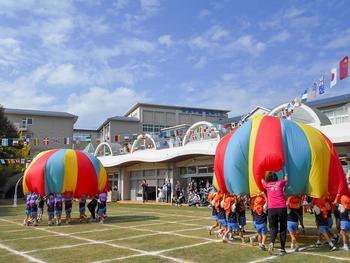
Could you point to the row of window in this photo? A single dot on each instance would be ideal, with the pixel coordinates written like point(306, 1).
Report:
point(338, 115)
point(151, 129)
point(195, 170)
point(25, 122)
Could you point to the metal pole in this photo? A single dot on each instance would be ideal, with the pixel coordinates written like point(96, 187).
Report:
point(15, 195)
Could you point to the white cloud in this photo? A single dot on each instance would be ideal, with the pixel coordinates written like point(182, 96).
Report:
point(150, 6)
point(65, 74)
point(217, 32)
point(23, 92)
point(127, 46)
point(293, 12)
point(199, 42)
point(165, 40)
point(133, 45)
point(121, 4)
point(10, 51)
point(247, 44)
point(280, 37)
point(340, 40)
point(97, 104)
point(201, 63)
point(56, 31)
point(204, 13)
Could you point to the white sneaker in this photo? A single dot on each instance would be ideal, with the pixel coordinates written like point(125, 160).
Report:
point(271, 249)
point(345, 247)
point(209, 230)
point(251, 240)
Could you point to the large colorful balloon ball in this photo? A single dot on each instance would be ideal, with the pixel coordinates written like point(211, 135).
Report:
point(65, 171)
point(266, 143)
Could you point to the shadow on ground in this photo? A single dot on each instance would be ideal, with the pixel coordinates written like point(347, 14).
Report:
point(133, 218)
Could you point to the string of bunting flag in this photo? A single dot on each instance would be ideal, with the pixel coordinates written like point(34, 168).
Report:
point(318, 88)
point(15, 161)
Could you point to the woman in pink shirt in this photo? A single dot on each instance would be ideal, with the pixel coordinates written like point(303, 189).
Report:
point(277, 209)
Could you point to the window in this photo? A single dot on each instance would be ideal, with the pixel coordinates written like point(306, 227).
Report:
point(202, 170)
point(29, 121)
point(28, 136)
point(23, 123)
point(191, 170)
point(338, 115)
point(148, 128)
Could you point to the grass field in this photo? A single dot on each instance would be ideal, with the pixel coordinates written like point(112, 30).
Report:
point(139, 233)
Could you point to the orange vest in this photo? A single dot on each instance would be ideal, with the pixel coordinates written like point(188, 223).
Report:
point(211, 196)
point(258, 205)
point(294, 202)
point(345, 201)
point(228, 202)
point(217, 199)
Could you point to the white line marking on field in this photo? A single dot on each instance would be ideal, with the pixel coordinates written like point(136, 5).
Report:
point(17, 253)
point(15, 230)
point(27, 238)
point(54, 248)
point(332, 257)
point(263, 259)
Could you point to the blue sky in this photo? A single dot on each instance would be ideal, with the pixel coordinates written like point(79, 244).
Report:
point(96, 59)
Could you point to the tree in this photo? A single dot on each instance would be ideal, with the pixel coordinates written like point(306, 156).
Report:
point(7, 130)
point(20, 151)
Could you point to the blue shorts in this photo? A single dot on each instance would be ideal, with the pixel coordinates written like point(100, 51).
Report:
point(28, 212)
point(40, 209)
point(323, 229)
point(101, 211)
point(51, 212)
point(260, 228)
point(223, 222)
point(82, 209)
point(214, 217)
point(292, 226)
point(34, 213)
point(345, 225)
point(68, 210)
point(330, 222)
point(58, 212)
point(233, 227)
point(242, 221)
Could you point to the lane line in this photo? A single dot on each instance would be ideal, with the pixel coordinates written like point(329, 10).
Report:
point(21, 254)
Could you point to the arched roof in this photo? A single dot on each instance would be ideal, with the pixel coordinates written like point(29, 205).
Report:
point(113, 147)
point(198, 124)
point(143, 136)
point(304, 114)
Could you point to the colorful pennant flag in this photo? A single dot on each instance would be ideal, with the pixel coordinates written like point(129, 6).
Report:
point(45, 141)
point(304, 97)
point(343, 68)
point(333, 77)
point(313, 92)
point(5, 142)
point(36, 141)
point(321, 86)
point(66, 140)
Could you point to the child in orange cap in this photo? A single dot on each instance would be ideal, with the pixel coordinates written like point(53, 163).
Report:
point(230, 206)
point(293, 208)
point(343, 203)
point(214, 212)
point(259, 213)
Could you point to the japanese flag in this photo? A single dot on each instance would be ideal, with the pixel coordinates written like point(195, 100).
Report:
point(333, 77)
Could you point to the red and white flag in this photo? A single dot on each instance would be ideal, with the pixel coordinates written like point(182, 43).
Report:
point(333, 77)
point(46, 141)
point(343, 68)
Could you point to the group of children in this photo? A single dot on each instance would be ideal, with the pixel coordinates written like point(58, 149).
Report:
point(35, 208)
point(228, 212)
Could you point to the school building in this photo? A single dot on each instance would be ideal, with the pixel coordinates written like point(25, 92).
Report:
point(188, 153)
